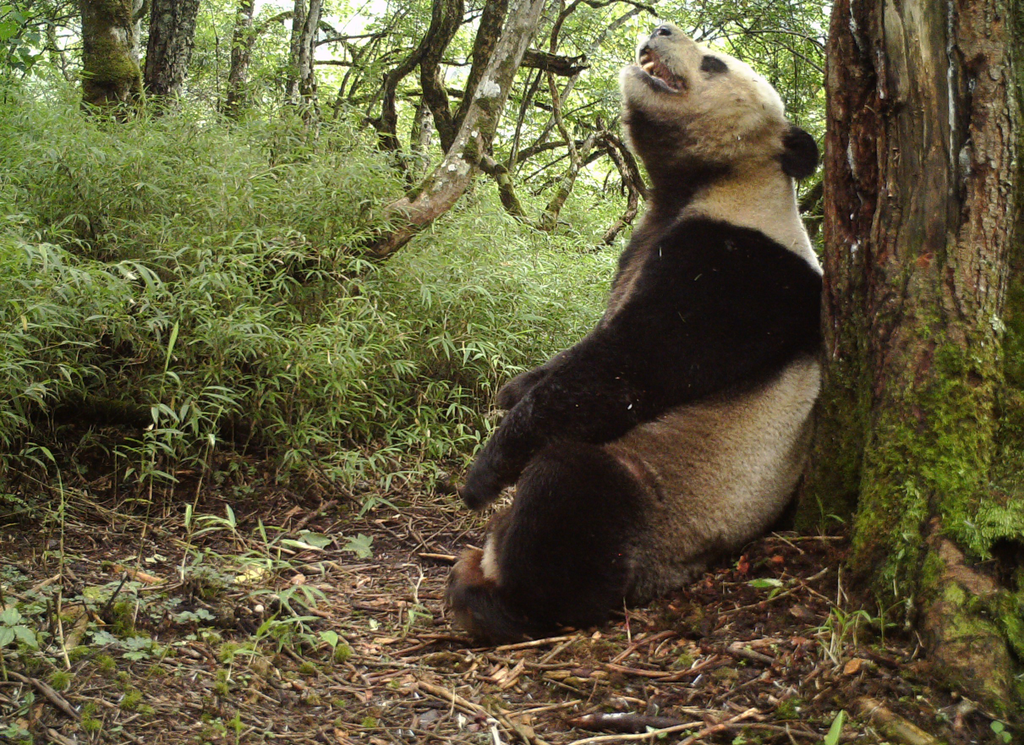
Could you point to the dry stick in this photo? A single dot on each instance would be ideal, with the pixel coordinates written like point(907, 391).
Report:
point(58, 738)
point(736, 649)
point(324, 506)
point(55, 698)
point(623, 722)
point(644, 642)
point(469, 707)
point(662, 676)
point(535, 643)
point(892, 725)
point(721, 726)
point(446, 558)
point(669, 730)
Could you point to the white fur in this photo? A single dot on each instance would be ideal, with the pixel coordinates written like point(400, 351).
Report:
point(764, 201)
point(489, 561)
point(723, 471)
point(734, 118)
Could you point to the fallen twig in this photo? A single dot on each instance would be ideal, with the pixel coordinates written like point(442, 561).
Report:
point(524, 733)
point(623, 722)
point(736, 649)
point(655, 733)
point(444, 558)
point(535, 643)
point(727, 724)
point(892, 725)
point(52, 696)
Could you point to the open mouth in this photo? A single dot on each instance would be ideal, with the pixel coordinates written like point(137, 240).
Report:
point(650, 63)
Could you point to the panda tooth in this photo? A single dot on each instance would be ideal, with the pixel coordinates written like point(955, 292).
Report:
point(648, 67)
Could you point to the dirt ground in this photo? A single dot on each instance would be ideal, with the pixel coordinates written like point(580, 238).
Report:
point(323, 626)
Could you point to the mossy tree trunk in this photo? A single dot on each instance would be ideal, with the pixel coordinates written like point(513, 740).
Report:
point(924, 129)
point(111, 75)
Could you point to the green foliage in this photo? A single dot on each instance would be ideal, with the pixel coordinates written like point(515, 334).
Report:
point(13, 628)
point(1001, 732)
point(169, 284)
point(19, 37)
point(836, 730)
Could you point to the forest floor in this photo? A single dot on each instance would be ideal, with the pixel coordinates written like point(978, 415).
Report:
point(291, 618)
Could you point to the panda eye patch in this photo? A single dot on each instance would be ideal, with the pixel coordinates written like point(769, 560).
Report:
point(712, 64)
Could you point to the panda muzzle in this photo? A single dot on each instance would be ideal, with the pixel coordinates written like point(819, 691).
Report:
point(658, 72)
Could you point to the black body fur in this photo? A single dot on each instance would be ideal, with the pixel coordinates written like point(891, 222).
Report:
point(563, 548)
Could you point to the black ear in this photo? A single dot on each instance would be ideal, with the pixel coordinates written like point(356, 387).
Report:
point(800, 153)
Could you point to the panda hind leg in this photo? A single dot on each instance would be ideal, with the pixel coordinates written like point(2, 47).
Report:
point(559, 556)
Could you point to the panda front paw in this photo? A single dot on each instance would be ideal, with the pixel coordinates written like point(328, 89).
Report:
point(483, 485)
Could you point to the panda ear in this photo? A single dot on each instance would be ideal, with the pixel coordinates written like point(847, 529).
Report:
point(800, 153)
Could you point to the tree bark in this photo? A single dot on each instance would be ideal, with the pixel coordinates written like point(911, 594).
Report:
point(445, 18)
point(300, 86)
point(241, 55)
point(110, 53)
point(632, 182)
point(445, 22)
point(441, 189)
point(172, 30)
point(923, 133)
point(487, 34)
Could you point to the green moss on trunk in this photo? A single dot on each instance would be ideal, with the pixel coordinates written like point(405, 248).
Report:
point(928, 453)
point(111, 75)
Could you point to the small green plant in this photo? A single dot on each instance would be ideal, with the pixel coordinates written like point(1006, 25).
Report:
point(13, 628)
point(1001, 732)
point(832, 738)
point(106, 664)
point(788, 708)
point(340, 650)
point(841, 629)
point(60, 680)
point(131, 699)
point(360, 546)
point(89, 721)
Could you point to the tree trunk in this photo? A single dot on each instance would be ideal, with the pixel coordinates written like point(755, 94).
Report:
point(300, 86)
point(445, 22)
point(445, 19)
point(923, 130)
point(487, 34)
point(172, 30)
point(241, 56)
point(441, 189)
point(110, 53)
point(632, 182)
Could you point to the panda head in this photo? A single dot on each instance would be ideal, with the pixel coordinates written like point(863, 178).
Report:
point(691, 113)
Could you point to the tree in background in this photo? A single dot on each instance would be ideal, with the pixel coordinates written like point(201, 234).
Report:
point(172, 29)
point(111, 75)
point(300, 87)
point(441, 189)
point(920, 438)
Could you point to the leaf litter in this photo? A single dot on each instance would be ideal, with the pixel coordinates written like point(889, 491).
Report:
point(329, 628)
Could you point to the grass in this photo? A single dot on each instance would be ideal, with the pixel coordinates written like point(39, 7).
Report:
point(175, 289)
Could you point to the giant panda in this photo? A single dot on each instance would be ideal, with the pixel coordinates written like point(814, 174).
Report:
point(677, 429)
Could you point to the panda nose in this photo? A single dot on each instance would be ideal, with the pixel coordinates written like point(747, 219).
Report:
point(661, 31)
